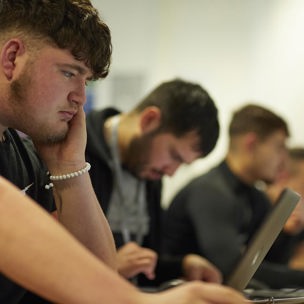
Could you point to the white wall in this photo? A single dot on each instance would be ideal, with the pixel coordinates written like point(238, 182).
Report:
point(239, 50)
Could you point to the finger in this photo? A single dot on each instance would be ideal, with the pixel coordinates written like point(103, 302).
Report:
point(147, 270)
point(213, 275)
point(77, 127)
point(142, 254)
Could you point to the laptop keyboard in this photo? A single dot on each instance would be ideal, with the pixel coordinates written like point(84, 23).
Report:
point(285, 295)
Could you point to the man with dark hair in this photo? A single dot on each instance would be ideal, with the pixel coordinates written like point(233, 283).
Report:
point(48, 51)
point(47, 55)
point(217, 213)
point(292, 237)
point(130, 152)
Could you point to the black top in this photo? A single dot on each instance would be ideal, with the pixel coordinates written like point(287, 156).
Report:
point(215, 213)
point(97, 153)
point(215, 216)
point(20, 165)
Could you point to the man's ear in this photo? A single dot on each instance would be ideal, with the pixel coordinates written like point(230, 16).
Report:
point(150, 119)
point(251, 139)
point(9, 53)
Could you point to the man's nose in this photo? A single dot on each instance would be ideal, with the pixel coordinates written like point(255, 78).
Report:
point(78, 95)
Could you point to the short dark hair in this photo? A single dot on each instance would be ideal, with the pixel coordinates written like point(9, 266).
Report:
point(296, 153)
point(257, 119)
point(74, 25)
point(185, 107)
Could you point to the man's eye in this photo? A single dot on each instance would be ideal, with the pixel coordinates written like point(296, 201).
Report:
point(67, 74)
point(176, 157)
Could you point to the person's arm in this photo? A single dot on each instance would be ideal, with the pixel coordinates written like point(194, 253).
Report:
point(77, 206)
point(42, 256)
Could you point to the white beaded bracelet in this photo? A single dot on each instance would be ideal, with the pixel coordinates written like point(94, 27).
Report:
point(68, 175)
point(71, 175)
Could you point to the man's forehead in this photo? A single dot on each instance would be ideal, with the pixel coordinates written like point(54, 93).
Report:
point(65, 57)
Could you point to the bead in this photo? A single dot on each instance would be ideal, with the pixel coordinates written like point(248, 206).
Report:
point(69, 175)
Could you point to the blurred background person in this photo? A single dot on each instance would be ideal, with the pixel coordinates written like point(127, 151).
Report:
point(217, 213)
point(130, 152)
point(292, 237)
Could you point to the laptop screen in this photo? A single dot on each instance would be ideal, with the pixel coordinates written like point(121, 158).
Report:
point(263, 240)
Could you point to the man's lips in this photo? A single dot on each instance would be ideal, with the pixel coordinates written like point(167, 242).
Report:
point(67, 115)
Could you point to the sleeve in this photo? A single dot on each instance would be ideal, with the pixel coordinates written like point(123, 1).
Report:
point(214, 219)
point(38, 192)
point(203, 220)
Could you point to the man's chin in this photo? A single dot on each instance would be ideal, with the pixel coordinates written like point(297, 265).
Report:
point(146, 173)
point(151, 176)
point(53, 138)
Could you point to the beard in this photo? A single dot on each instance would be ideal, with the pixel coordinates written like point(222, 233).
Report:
point(22, 117)
point(138, 154)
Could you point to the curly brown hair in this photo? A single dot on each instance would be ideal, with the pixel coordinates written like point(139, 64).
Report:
point(74, 25)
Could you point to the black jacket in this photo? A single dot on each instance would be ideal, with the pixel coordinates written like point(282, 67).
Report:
point(216, 215)
point(20, 164)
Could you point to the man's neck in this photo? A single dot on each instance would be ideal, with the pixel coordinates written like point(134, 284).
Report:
point(240, 168)
point(126, 130)
point(109, 126)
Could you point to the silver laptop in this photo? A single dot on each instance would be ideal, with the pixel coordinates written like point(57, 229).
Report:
point(274, 296)
point(260, 245)
point(256, 252)
point(263, 240)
